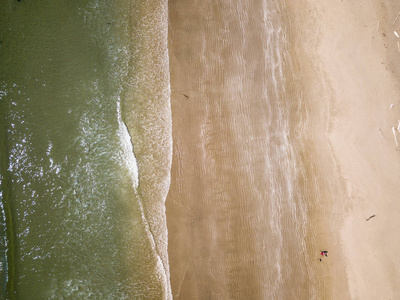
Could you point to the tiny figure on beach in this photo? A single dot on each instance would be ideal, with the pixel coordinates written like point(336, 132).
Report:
point(323, 253)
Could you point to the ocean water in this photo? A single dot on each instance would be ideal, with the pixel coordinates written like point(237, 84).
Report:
point(86, 160)
point(85, 133)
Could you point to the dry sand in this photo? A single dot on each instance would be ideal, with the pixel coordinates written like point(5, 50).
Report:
point(349, 70)
point(353, 84)
point(358, 52)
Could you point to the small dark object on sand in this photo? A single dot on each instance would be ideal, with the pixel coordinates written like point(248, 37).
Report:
point(324, 253)
point(367, 219)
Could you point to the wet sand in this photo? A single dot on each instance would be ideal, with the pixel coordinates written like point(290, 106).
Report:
point(345, 69)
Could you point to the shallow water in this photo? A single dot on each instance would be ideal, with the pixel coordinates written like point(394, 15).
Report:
point(86, 151)
point(78, 100)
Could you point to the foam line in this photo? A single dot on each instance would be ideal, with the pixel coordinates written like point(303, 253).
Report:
point(127, 149)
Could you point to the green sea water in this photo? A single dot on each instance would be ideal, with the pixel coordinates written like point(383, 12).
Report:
point(85, 149)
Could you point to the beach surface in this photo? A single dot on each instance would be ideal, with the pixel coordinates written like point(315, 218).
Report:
point(343, 117)
point(357, 57)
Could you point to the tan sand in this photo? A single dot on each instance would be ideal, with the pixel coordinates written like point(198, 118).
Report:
point(224, 240)
point(355, 58)
point(348, 58)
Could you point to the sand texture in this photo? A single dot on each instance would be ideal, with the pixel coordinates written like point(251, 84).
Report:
point(358, 58)
point(345, 139)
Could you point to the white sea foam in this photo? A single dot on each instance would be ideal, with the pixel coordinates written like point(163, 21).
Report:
point(128, 156)
point(147, 113)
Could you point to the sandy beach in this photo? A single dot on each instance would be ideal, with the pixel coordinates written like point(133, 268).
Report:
point(345, 57)
point(354, 53)
point(356, 61)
